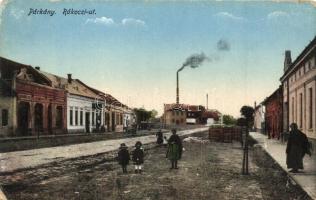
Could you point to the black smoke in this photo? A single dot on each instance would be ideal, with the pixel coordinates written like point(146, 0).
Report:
point(223, 45)
point(194, 61)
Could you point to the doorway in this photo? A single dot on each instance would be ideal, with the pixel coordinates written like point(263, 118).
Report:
point(113, 121)
point(23, 118)
point(38, 116)
point(87, 122)
point(49, 119)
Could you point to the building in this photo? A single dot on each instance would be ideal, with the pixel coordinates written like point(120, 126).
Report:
point(299, 90)
point(274, 114)
point(29, 104)
point(174, 114)
point(85, 105)
point(181, 114)
point(194, 114)
point(259, 118)
point(118, 115)
point(211, 117)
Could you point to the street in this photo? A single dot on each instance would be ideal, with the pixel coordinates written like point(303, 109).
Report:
point(207, 170)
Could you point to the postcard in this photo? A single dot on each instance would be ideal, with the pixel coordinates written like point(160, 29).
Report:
point(157, 100)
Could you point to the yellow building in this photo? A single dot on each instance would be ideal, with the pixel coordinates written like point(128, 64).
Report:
point(299, 90)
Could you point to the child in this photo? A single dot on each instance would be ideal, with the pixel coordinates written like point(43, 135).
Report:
point(123, 157)
point(138, 157)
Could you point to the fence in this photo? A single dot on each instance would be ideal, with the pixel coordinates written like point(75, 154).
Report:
point(225, 134)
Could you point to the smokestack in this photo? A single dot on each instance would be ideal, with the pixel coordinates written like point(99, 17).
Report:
point(37, 68)
point(287, 60)
point(69, 78)
point(177, 100)
point(206, 101)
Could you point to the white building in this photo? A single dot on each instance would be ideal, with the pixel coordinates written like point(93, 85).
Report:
point(85, 105)
point(259, 119)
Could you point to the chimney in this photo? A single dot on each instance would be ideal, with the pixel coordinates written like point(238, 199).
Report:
point(287, 60)
point(37, 68)
point(69, 78)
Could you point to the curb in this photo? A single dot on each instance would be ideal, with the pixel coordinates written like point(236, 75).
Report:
point(290, 176)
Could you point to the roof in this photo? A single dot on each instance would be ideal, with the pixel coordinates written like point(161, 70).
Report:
point(272, 95)
point(311, 46)
point(76, 86)
point(210, 114)
point(187, 107)
point(7, 68)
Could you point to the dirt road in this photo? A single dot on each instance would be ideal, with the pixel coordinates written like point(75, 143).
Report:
point(207, 171)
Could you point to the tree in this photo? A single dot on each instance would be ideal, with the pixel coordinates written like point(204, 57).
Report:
point(143, 115)
point(229, 120)
point(248, 112)
point(154, 113)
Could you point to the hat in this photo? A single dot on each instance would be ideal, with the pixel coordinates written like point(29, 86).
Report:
point(123, 145)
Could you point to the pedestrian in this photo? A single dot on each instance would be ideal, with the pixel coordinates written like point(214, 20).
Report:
point(159, 136)
point(123, 157)
point(297, 147)
point(174, 151)
point(138, 157)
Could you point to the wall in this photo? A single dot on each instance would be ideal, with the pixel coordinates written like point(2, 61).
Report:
point(84, 104)
point(8, 103)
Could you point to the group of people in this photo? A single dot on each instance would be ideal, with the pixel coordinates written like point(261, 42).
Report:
point(174, 152)
point(297, 147)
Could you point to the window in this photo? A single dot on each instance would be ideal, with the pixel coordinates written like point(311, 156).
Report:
point(292, 109)
point(301, 110)
point(5, 116)
point(71, 116)
point(310, 108)
point(81, 117)
point(76, 117)
point(92, 118)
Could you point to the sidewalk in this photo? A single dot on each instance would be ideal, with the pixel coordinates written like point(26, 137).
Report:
point(276, 149)
point(12, 161)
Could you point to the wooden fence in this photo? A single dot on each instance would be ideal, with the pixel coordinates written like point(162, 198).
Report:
point(225, 134)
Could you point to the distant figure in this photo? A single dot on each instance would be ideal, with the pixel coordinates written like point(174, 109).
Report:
point(297, 147)
point(123, 157)
point(174, 151)
point(159, 136)
point(138, 157)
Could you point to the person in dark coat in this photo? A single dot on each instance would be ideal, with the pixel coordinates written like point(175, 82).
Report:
point(159, 136)
point(174, 151)
point(123, 157)
point(297, 147)
point(138, 157)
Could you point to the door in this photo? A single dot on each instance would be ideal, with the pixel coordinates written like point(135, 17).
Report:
point(23, 118)
point(113, 121)
point(87, 122)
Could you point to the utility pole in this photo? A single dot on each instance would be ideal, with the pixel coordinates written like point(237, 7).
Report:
point(177, 100)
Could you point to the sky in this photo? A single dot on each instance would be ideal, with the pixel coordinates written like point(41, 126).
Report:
point(133, 49)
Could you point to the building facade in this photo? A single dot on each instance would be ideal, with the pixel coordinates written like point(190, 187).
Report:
point(259, 118)
point(299, 90)
point(36, 108)
point(274, 114)
point(85, 105)
point(174, 114)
